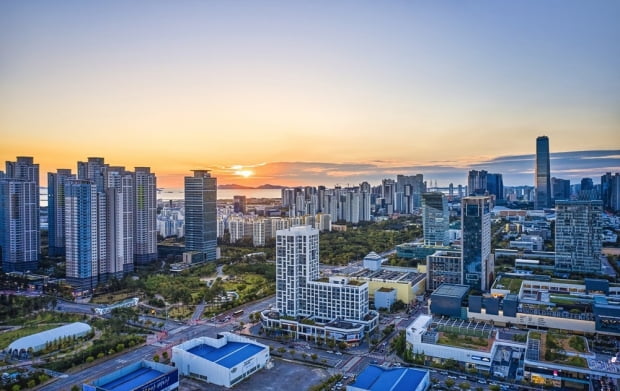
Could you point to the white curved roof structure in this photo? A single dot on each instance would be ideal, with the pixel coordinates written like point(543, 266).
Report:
point(37, 341)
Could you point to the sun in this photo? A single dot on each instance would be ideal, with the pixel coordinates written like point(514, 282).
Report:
point(244, 173)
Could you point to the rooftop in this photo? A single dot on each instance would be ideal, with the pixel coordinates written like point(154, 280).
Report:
point(375, 378)
point(451, 290)
point(131, 380)
point(229, 355)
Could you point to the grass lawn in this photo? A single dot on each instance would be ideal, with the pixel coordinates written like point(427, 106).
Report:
point(511, 284)
point(250, 286)
point(6, 338)
point(110, 298)
point(466, 342)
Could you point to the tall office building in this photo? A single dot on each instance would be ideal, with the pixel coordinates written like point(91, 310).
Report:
point(610, 191)
point(495, 186)
point(542, 173)
point(201, 214)
point(578, 236)
point(560, 189)
point(478, 262)
point(435, 219)
point(443, 266)
point(19, 215)
point(145, 215)
point(483, 183)
point(56, 210)
point(85, 228)
point(477, 182)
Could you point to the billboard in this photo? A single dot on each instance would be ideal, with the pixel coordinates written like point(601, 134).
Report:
point(161, 382)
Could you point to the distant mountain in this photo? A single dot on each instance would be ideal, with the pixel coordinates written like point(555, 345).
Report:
point(233, 186)
point(268, 186)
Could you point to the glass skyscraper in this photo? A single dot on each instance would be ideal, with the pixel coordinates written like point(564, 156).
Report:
point(435, 219)
point(201, 214)
point(542, 197)
point(476, 242)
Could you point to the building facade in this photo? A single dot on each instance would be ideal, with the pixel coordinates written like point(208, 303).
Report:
point(201, 214)
point(435, 219)
point(19, 216)
point(476, 255)
point(578, 236)
point(443, 266)
point(56, 210)
point(542, 174)
point(145, 215)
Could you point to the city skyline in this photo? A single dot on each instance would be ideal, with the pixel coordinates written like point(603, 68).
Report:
point(322, 93)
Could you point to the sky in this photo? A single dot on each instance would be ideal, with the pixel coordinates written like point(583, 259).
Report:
point(309, 93)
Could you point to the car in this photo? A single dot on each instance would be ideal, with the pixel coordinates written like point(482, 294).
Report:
point(482, 381)
point(452, 377)
point(330, 351)
point(338, 354)
point(444, 372)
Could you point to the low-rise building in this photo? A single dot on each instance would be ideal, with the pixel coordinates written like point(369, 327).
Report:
point(139, 376)
point(376, 378)
point(225, 360)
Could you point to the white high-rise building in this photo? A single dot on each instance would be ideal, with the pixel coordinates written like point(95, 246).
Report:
point(337, 306)
point(120, 207)
point(85, 233)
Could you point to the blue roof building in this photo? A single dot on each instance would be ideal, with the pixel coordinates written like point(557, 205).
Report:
point(376, 378)
point(139, 376)
point(225, 360)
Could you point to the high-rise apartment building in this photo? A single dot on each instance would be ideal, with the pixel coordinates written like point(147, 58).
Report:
point(201, 214)
point(85, 233)
point(119, 195)
point(476, 242)
point(578, 236)
point(145, 215)
point(56, 210)
point(435, 219)
point(417, 186)
point(19, 216)
point(239, 204)
point(542, 174)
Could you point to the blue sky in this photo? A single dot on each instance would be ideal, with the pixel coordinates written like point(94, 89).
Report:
point(205, 84)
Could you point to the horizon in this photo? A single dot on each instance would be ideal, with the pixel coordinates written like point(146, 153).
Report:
point(306, 94)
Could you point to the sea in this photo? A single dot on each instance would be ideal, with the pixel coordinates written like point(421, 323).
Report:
point(178, 194)
point(222, 194)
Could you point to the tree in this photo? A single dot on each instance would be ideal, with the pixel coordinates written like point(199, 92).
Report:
point(464, 386)
point(314, 356)
point(156, 358)
point(165, 355)
point(449, 382)
point(494, 387)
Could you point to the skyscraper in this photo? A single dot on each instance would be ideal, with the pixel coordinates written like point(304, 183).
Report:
point(610, 191)
point(435, 219)
point(19, 215)
point(85, 233)
point(542, 198)
point(578, 236)
point(145, 215)
point(201, 214)
point(477, 182)
point(239, 204)
point(476, 242)
point(56, 210)
point(560, 189)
